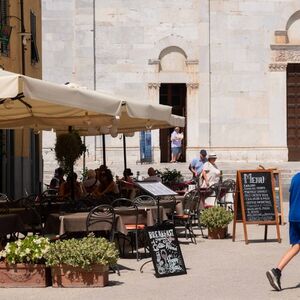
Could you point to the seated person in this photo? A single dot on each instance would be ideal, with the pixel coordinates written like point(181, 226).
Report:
point(58, 179)
point(107, 186)
point(127, 176)
point(152, 176)
point(127, 185)
point(65, 188)
point(91, 183)
point(101, 170)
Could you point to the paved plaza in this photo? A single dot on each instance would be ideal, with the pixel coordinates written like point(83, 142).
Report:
point(217, 269)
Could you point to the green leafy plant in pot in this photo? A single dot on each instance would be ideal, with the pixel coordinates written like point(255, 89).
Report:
point(171, 178)
point(81, 262)
point(68, 149)
point(216, 219)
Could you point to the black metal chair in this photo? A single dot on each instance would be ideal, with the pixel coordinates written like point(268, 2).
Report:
point(211, 195)
point(4, 198)
point(190, 214)
point(145, 200)
point(226, 194)
point(101, 219)
point(127, 207)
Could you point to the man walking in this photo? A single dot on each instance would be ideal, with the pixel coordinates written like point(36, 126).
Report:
point(274, 274)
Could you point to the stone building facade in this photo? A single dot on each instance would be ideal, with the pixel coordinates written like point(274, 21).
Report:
point(230, 57)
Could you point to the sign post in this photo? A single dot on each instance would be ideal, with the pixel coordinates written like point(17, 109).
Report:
point(255, 201)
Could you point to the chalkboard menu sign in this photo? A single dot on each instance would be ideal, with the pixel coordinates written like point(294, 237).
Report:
point(165, 251)
point(255, 200)
point(258, 196)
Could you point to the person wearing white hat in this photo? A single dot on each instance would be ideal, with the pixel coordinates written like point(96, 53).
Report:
point(210, 172)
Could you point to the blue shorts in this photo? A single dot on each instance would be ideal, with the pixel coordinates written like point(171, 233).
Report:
point(294, 233)
point(176, 150)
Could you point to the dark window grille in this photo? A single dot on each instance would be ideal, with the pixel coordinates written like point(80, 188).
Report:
point(5, 29)
point(34, 50)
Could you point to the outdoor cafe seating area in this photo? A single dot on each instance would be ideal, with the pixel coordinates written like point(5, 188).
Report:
point(123, 220)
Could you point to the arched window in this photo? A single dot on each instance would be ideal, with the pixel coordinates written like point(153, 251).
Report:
point(172, 59)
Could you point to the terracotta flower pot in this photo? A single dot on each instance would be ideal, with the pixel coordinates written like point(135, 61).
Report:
point(68, 276)
point(217, 233)
point(24, 275)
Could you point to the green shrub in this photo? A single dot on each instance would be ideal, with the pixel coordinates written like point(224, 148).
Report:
point(82, 253)
point(216, 217)
point(169, 177)
point(68, 149)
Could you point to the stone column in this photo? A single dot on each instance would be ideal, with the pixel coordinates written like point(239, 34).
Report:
point(192, 106)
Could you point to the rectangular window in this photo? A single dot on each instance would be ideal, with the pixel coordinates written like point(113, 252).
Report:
point(5, 29)
point(34, 50)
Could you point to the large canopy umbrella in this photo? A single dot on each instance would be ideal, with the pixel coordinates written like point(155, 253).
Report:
point(38, 104)
point(41, 105)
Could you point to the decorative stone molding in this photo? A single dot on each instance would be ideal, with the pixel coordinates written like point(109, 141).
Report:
point(277, 67)
point(153, 62)
point(287, 56)
point(192, 85)
point(285, 47)
point(153, 85)
point(192, 62)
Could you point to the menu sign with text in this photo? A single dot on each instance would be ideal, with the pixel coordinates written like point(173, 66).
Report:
point(258, 196)
point(156, 188)
point(255, 201)
point(165, 251)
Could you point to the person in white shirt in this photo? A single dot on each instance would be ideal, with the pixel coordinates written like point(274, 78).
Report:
point(176, 144)
point(210, 172)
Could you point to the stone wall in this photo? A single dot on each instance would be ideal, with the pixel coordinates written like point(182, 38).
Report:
point(236, 89)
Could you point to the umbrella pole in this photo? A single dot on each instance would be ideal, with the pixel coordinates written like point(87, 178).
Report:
point(124, 152)
point(72, 174)
point(84, 157)
point(103, 149)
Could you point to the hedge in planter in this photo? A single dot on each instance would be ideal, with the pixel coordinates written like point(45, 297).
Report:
point(23, 265)
point(81, 262)
point(216, 219)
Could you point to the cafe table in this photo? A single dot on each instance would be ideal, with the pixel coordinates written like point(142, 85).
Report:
point(76, 222)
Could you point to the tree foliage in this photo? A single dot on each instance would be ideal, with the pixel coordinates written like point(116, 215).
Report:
point(68, 149)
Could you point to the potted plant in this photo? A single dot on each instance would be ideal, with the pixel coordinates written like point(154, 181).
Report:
point(216, 219)
point(68, 149)
point(81, 262)
point(172, 179)
point(23, 263)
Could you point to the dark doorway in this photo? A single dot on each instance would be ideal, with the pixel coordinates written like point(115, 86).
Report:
point(293, 111)
point(173, 94)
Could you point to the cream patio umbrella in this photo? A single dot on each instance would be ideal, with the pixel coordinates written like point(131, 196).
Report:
point(38, 104)
point(42, 105)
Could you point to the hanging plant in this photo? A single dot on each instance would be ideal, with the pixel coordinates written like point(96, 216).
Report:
point(68, 149)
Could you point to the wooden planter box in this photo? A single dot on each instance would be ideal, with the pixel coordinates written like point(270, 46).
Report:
point(217, 233)
point(68, 276)
point(24, 275)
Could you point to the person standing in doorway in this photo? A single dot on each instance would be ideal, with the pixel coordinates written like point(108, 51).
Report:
point(176, 144)
point(274, 275)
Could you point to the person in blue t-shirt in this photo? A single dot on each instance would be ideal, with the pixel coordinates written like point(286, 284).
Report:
point(196, 165)
point(274, 274)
